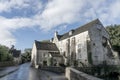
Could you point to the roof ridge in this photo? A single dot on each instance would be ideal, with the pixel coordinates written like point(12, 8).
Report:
point(42, 42)
point(90, 22)
point(80, 29)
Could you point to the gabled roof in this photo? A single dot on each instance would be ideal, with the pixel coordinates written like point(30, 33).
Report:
point(79, 29)
point(46, 46)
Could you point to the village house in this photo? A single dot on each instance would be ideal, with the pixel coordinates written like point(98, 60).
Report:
point(45, 54)
point(16, 56)
point(87, 45)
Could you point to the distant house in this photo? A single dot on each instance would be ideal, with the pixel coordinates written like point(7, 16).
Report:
point(87, 45)
point(45, 54)
point(17, 56)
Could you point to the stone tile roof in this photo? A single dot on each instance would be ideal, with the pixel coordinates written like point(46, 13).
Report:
point(46, 46)
point(79, 29)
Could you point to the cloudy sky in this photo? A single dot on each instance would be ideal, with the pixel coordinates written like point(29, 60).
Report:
point(23, 21)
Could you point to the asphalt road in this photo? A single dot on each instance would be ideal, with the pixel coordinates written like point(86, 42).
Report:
point(25, 72)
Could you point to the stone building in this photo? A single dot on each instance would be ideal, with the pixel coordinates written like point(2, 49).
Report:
point(86, 45)
point(45, 54)
point(16, 56)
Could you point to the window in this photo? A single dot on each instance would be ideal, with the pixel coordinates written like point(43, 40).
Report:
point(68, 46)
point(79, 45)
point(93, 44)
point(99, 27)
point(43, 55)
point(79, 50)
point(104, 41)
point(64, 54)
point(73, 40)
point(71, 32)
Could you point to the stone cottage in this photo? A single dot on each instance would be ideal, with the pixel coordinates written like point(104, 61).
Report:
point(45, 54)
point(86, 45)
point(16, 56)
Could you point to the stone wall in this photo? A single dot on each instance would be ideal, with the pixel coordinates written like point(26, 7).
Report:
point(33, 55)
point(73, 74)
point(54, 69)
point(7, 63)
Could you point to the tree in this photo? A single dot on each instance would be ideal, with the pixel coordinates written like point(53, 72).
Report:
point(4, 54)
point(114, 32)
point(26, 57)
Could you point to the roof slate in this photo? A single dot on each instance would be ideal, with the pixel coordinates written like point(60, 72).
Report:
point(46, 46)
point(79, 29)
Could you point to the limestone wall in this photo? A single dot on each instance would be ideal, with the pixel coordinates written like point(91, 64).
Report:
point(73, 74)
point(7, 63)
point(33, 55)
point(81, 47)
point(76, 47)
point(100, 52)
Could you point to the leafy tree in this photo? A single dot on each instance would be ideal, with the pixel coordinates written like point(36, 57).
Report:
point(26, 57)
point(4, 54)
point(114, 32)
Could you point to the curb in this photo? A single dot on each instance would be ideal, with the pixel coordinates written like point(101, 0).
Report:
point(8, 72)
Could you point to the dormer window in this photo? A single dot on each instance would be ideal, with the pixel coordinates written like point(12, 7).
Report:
point(71, 32)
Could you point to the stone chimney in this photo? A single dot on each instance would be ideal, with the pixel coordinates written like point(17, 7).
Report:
point(56, 33)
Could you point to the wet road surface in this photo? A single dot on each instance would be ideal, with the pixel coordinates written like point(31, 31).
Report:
point(46, 75)
point(25, 72)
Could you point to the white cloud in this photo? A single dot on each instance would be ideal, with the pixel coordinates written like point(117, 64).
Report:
point(59, 12)
point(114, 11)
point(6, 38)
point(106, 10)
point(9, 25)
point(8, 5)
point(55, 13)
